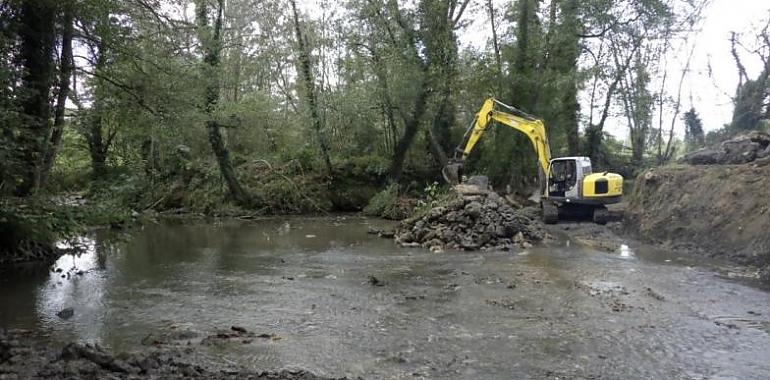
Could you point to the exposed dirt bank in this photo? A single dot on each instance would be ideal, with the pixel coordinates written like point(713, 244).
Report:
point(22, 357)
point(717, 210)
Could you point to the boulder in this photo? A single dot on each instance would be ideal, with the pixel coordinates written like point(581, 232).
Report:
point(741, 149)
point(703, 156)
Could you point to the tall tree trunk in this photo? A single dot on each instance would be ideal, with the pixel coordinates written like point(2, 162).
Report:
point(386, 103)
point(495, 45)
point(98, 144)
point(411, 126)
point(568, 52)
point(306, 74)
point(97, 147)
point(570, 110)
point(65, 73)
point(211, 45)
point(524, 91)
point(37, 35)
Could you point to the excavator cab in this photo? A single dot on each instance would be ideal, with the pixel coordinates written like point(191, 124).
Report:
point(567, 176)
point(563, 178)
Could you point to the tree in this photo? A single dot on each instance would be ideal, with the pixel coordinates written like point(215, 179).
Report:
point(211, 47)
point(37, 34)
point(305, 72)
point(563, 55)
point(423, 49)
point(66, 66)
point(752, 96)
point(693, 130)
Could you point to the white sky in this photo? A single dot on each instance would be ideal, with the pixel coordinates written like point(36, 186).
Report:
point(712, 95)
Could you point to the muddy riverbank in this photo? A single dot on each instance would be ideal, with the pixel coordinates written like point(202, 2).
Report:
point(22, 356)
point(718, 211)
point(323, 296)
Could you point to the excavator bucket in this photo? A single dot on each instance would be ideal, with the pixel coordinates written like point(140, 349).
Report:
point(536, 196)
point(452, 173)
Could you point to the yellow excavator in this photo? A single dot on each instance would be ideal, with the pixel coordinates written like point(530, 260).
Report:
point(566, 183)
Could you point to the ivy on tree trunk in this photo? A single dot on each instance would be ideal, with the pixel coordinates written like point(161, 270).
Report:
point(308, 86)
point(211, 45)
point(37, 45)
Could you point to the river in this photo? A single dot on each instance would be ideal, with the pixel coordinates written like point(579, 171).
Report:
point(336, 301)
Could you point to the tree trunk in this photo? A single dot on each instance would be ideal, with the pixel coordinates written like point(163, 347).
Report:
point(306, 74)
point(98, 146)
point(211, 45)
point(495, 45)
point(386, 103)
point(570, 111)
point(569, 53)
point(65, 73)
point(37, 34)
point(411, 127)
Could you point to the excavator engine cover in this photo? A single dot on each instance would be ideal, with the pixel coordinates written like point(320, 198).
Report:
point(602, 185)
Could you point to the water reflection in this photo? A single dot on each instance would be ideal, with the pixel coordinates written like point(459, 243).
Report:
point(625, 251)
point(75, 282)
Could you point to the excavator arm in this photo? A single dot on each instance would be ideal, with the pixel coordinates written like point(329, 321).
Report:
point(532, 127)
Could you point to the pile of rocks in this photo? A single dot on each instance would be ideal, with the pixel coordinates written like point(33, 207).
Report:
point(472, 220)
point(738, 150)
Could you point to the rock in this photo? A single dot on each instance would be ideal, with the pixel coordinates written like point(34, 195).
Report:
point(479, 181)
point(238, 329)
point(703, 156)
point(374, 281)
point(66, 313)
point(473, 209)
point(740, 149)
point(764, 153)
point(94, 354)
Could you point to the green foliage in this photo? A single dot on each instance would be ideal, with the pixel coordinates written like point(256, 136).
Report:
point(390, 203)
point(431, 195)
point(35, 222)
point(693, 130)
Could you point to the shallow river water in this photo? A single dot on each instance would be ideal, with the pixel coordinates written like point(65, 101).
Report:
point(340, 302)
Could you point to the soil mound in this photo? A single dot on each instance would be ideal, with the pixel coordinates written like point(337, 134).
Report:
point(720, 210)
point(472, 219)
point(738, 150)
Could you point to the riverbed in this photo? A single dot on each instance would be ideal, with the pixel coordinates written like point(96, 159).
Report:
point(323, 295)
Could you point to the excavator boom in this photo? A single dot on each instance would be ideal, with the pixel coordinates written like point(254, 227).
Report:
point(516, 119)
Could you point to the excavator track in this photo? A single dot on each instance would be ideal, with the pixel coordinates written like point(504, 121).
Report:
point(550, 212)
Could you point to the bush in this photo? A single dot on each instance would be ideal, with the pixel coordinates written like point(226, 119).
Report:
point(32, 227)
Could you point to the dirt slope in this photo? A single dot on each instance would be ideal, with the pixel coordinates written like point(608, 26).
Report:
point(719, 210)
